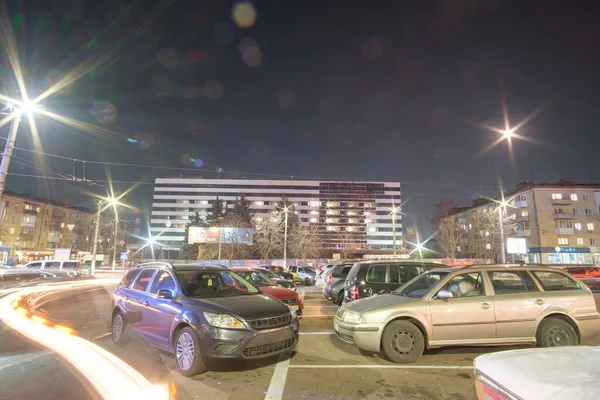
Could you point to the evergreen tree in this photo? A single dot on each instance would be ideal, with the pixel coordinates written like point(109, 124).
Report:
point(241, 212)
point(217, 213)
point(190, 251)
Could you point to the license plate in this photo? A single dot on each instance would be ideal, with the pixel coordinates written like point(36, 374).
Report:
point(295, 308)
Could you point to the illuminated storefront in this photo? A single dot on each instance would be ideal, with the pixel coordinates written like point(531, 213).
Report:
point(560, 255)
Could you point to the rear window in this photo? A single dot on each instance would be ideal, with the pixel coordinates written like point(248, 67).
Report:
point(353, 274)
point(70, 265)
point(341, 271)
point(129, 277)
point(555, 281)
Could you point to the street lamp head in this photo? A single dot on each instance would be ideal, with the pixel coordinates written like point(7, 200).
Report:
point(150, 241)
point(27, 106)
point(112, 201)
point(508, 133)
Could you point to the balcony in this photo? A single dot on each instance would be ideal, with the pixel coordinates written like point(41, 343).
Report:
point(520, 204)
point(524, 233)
point(563, 216)
point(522, 218)
point(561, 202)
point(564, 231)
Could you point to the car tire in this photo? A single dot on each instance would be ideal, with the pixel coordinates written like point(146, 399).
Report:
point(187, 353)
point(554, 332)
point(340, 298)
point(403, 342)
point(307, 281)
point(118, 327)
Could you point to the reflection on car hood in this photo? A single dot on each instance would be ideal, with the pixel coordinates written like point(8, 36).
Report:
point(283, 282)
point(247, 307)
point(533, 373)
point(380, 301)
point(278, 292)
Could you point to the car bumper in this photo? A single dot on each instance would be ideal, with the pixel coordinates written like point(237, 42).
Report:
point(366, 337)
point(254, 344)
point(589, 326)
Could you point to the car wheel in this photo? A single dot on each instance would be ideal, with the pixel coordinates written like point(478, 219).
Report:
point(307, 281)
point(403, 342)
point(189, 360)
point(119, 324)
point(555, 332)
point(340, 298)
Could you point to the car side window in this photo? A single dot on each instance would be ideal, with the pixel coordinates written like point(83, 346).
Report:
point(466, 285)
point(143, 280)
point(555, 281)
point(35, 265)
point(163, 281)
point(402, 273)
point(129, 277)
point(69, 265)
point(508, 282)
point(292, 269)
point(376, 273)
point(52, 265)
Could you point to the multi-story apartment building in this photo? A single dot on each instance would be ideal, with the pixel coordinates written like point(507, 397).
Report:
point(33, 228)
point(352, 215)
point(560, 222)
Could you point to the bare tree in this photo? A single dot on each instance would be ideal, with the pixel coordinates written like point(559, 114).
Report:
point(232, 243)
point(410, 238)
point(268, 235)
point(345, 239)
point(305, 241)
point(484, 232)
point(449, 235)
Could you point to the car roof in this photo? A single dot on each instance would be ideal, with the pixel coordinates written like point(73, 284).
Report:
point(241, 269)
point(530, 267)
point(406, 261)
point(181, 267)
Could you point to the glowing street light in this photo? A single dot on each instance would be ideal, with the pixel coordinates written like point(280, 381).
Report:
point(286, 210)
point(508, 133)
point(103, 204)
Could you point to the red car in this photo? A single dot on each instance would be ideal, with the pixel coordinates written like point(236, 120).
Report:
point(264, 284)
point(589, 275)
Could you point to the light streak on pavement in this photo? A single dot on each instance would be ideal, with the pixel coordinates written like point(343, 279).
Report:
point(111, 377)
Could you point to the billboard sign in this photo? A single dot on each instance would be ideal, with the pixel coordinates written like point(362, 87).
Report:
point(227, 235)
point(516, 246)
point(62, 254)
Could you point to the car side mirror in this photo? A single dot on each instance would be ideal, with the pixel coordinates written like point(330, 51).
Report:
point(165, 294)
point(444, 294)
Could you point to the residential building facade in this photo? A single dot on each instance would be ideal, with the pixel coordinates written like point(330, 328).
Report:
point(352, 215)
point(560, 222)
point(33, 228)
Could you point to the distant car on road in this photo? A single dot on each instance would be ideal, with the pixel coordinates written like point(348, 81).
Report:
point(531, 374)
point(477, 305)
point(586, 274)
point(304, 274)
point(55, 265)
point(265, 285)
point(13, 277)
point(201, 312)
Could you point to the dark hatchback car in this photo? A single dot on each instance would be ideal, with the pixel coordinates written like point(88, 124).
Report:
point(200, 313)
point(276, 279)
point(370, 278)
point(280, 271)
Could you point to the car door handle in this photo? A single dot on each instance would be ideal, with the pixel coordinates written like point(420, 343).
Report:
point(539, 302)
point(485, 306)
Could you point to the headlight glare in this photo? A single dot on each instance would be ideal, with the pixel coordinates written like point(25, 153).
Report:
point(223, 321)
point(355, 318)
point(293, 312)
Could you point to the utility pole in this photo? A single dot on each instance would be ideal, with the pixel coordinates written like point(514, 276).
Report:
point(285, 229)
point(96, 232)
point(220, 242)
point(114, 260)
point(502, 249)
point(8, 149)
point(394, 230)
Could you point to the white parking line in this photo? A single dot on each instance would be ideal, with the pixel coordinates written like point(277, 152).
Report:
point(328, 332)
point(275, 391)
point(302, 293)
point(321, 307)
point(317, 316)
point(383, 366)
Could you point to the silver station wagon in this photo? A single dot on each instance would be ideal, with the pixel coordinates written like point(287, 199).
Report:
point(478, 305)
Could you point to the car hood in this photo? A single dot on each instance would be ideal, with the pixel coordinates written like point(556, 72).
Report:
point(278, 292)
point(283, 281)
point(247, 307)
point(532, 373)
point(381, 301)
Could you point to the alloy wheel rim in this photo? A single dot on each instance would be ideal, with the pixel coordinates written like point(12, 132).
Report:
point(117, 327)
point(404, 342)
point(185, 351)
point(559, 337)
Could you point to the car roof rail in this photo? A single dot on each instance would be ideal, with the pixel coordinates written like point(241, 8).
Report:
point(156, 264)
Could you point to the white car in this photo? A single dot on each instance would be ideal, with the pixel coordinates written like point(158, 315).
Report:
point(557, 373)
point(320, 277)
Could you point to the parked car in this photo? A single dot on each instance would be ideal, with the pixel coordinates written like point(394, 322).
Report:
point(201, 312)
point(276, 279)
point(478, 305)
point(320, 276)
point(588, 275)
point(265, 285)
point(371, 278)
point(532, 374)
point(334, 282)
point(281, 272)
point(13, 277)
point(303, 274)
point(64, 265)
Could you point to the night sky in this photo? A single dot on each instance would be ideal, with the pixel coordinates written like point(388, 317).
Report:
point(360, 90)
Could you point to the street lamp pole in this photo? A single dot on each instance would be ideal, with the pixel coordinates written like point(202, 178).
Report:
point(285, 230)
point(114, 258)
point(502, 249)
point(8, 149)
point(394, 230)
point(96, 233)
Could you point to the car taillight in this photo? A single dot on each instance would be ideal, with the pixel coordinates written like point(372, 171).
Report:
point(355, 292)
point(328, 280)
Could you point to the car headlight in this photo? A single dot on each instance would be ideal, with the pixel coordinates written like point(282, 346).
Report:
point(353, 317)
point(293, 312)
point(224, 321)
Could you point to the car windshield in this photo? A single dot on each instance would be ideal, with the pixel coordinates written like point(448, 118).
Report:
point(421, 285)
point(256, 278)
point(271, 274)
point(207, 284)
point(310, 270)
